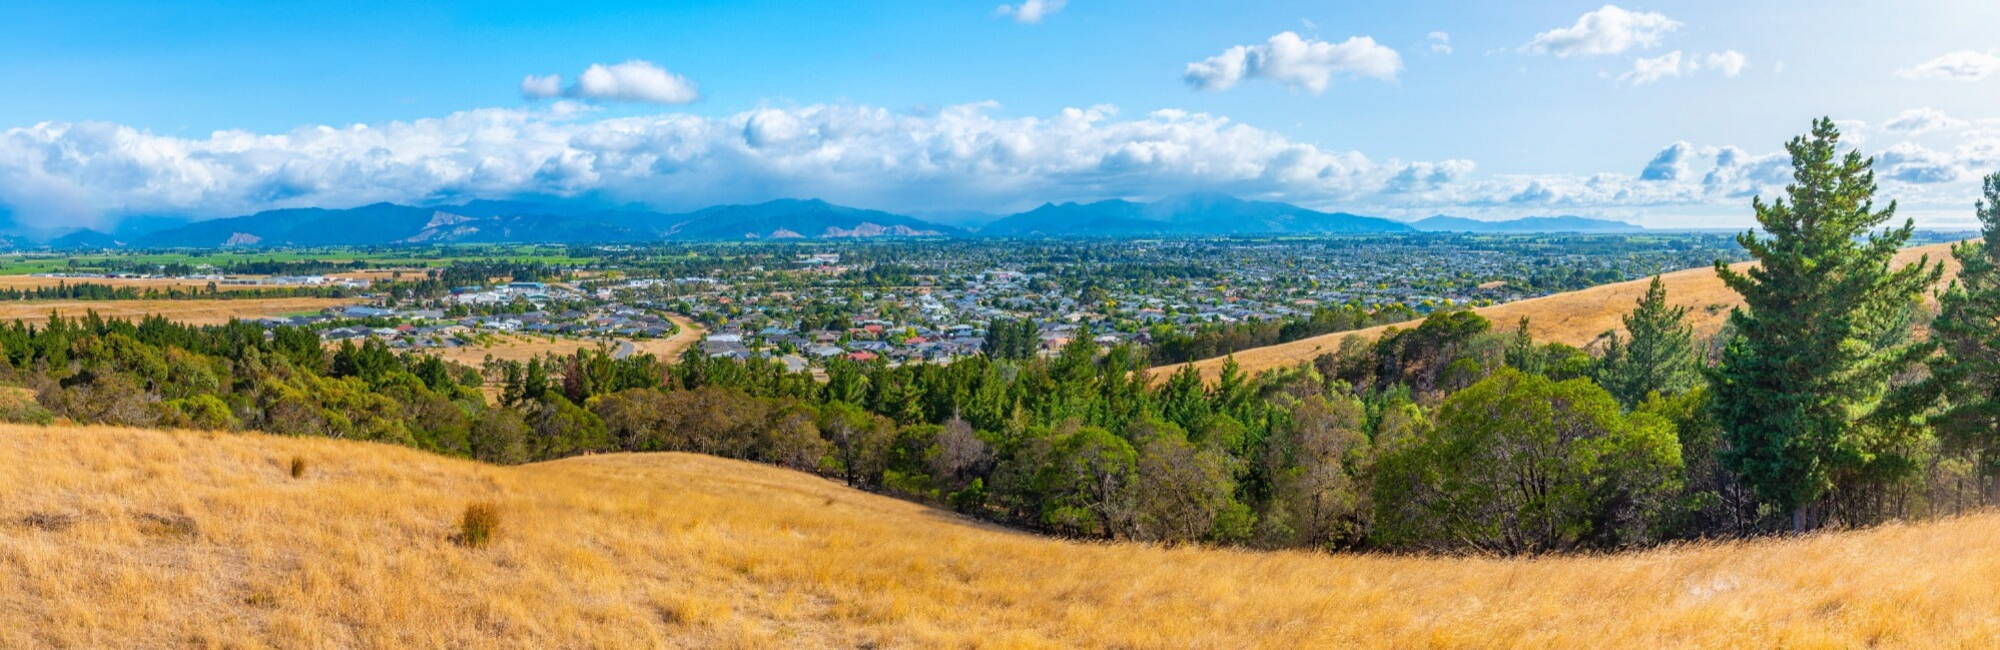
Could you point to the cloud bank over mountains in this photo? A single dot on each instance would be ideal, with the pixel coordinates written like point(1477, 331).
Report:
point(961, 157)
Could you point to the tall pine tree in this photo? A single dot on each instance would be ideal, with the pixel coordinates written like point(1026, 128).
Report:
point(1966, 373)
point(1659, 356)
point(1823, 329)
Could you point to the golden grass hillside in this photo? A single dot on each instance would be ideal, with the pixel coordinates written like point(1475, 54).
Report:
point(137, 538)
point(196, 312)
point(1575, 317)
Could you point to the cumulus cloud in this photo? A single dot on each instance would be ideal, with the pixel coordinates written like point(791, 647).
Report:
point(1428, 176)
point(631, 81)
point(1912, 163)
point(1922, 120)
point(1030, 11)
point(1729, 63)
point(541, 86)
point(959, 157)
point(1649, 70)
point(1963, 65)
point(1670, 164)
point(1297, 62)
point(1440, 42)
point(1607, 30)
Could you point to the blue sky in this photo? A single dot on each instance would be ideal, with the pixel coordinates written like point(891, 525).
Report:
point(1487, 109)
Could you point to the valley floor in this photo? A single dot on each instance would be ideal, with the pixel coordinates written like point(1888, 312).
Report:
point(116, 537)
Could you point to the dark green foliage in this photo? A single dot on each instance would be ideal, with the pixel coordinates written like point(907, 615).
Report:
point(1659, 355)
point(1965, 375)
point(1521, 464)
point(1824, 329)
point(1011, 339)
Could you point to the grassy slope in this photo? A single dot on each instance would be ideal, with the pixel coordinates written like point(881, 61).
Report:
point(1575, 317)
point(197, 312)
point(682, 550)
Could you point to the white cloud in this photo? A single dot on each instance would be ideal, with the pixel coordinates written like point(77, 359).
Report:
point(1440, 42)
point(1030, 11)
point(1922, 120)
point(1912, 163)
point(541, 86)
point(634, 81)
point(1297, 62)
point(1645, 70)
point(1963, 65)
point(1729, 62)
point(1608, 30)
point(959, 157)
point(1668, 165)
point(631, 81)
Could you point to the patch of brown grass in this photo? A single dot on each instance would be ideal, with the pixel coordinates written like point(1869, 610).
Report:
point(34, 282)
point(678, 550)
point(197, 312)
point(1575, 317)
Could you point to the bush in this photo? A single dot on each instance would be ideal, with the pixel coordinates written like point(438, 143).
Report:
point(477, 526)
point(1521, 464)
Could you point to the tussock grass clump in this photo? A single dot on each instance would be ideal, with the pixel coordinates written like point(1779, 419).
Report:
point(298, 467)
point(54, 522)
point(169, 525)
point(477, 525)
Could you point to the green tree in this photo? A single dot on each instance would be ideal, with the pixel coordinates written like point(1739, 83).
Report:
point(1824, 328)
point(1184, 492)
point(1659, 356)
point(1966, 372)
point(1521, 464)
point(1313, 467)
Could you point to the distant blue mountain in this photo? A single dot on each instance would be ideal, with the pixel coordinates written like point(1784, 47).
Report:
point(1185, 214)
point(514, 221)
point(1573, 224)
point(560, 221)
point(85, 239)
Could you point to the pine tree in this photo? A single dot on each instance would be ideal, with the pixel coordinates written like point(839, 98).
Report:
point(1824, 328)
point(1966, 374)
point(1523, 354)
point(1659, 356)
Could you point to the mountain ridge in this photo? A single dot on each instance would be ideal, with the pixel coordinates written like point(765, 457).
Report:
point(526, 221)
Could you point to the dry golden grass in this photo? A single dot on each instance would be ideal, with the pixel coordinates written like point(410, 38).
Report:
point(32, 282)
point(138, 538)
point(1575, 317)
point(197, 312)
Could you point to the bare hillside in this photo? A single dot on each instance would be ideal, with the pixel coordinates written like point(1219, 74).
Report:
point(139, 538)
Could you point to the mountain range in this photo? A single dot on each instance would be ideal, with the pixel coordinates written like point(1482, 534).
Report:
point(1195, 214)
point(1442, 223)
